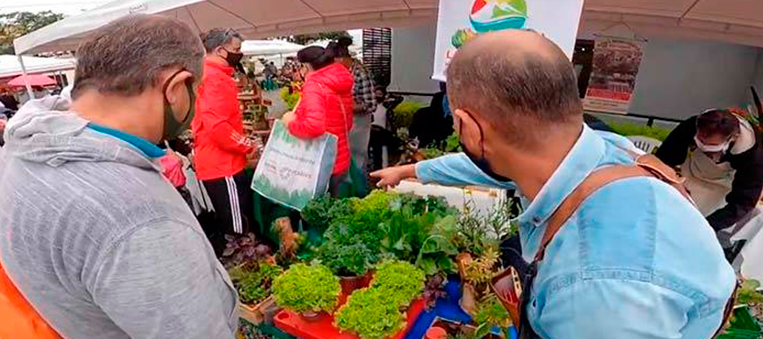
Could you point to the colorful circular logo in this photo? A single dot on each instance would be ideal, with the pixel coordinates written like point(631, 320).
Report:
point(496, 15)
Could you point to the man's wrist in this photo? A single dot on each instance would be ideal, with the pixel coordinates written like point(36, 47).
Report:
point(410, 171)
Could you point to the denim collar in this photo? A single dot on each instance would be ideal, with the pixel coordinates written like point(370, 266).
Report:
point(148, 149)
point(583, 158)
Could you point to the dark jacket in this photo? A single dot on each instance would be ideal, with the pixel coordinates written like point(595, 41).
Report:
point(430, 124)
point(747, 183)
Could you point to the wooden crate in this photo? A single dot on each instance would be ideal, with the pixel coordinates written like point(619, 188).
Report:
point(255, 314)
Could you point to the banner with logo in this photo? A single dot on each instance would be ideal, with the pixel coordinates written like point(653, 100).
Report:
point(458, 21)
point(613, 75)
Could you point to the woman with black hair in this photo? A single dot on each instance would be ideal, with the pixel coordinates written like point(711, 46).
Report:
point(325, 106)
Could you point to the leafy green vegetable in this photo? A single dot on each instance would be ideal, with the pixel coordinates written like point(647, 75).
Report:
point(304, 288)
point(346, 258)
point(479, 271)
point(748, 293)
point(317, 213)
point(474, 233)
point(401, 280)
point(438, 248)
point(450, 145)
point(402, 115)
point(254, 283)
point(290, 99)
point(628, 129)
point(370, 314)
point(360, 231)
point(492, 312)
point(404, 233)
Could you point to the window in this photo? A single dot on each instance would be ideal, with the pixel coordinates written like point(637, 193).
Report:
point(377, 54)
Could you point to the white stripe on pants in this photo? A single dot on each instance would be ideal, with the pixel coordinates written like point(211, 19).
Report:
point(234, 206)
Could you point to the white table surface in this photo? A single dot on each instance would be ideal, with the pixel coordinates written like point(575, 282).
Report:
point(749, 262)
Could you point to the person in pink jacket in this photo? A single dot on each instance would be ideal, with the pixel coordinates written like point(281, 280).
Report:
point(325, 106)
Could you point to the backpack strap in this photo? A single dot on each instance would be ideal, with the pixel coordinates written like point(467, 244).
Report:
point(647, 165)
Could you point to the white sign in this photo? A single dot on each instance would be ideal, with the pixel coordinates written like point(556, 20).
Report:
point(460, 20)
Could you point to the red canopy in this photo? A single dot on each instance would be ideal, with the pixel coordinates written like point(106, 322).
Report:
point(34, 80)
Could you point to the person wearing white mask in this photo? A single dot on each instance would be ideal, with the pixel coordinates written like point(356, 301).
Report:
point(722, 163)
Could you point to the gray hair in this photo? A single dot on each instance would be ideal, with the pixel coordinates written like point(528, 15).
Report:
point(521, 91)
point(217, 37)
point(128, 55)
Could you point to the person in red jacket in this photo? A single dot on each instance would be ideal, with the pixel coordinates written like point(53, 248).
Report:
point(325, 106)
point(220, 145)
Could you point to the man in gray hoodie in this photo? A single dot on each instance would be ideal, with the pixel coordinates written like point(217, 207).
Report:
point(91, 233)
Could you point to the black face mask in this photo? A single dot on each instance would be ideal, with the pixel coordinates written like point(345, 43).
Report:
point(233, 58)
point(480, 161)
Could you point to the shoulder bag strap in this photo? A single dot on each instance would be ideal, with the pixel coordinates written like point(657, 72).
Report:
point(647, 165)
point(591, 184)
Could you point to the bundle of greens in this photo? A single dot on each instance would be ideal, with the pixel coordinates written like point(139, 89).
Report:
point(361, 231)
point(346, 256)
point(304, 288)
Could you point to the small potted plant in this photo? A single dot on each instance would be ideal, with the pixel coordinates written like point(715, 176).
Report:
point(307, 290)
point(475, 276)
point(244, 249)
point(402, 281)
point(370, 314)
point(490, 313)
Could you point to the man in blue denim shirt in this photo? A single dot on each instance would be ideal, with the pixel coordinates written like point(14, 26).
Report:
point(636, 260)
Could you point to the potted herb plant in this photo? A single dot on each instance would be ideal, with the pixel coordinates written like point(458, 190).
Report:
point(490, 313)
point(475, 275)
point(253, 282)
point(307, 290)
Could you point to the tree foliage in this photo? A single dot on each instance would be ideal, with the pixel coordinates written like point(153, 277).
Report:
point(16, 24)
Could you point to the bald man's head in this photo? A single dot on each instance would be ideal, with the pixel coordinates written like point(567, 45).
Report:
point(518, 81)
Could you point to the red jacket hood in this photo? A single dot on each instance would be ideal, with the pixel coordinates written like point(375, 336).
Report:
point(336, 77)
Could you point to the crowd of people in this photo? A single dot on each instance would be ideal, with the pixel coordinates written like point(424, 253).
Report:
point(101, 246)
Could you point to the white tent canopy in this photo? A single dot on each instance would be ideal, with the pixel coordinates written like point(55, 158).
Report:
point(269, 47)
point(252, 18)
point(10, 66)
point(734, 21)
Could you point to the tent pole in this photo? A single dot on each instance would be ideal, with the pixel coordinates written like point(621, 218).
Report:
point(26, 81)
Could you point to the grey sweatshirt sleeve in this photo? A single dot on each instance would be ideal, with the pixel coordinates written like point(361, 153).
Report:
point(163, 281)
